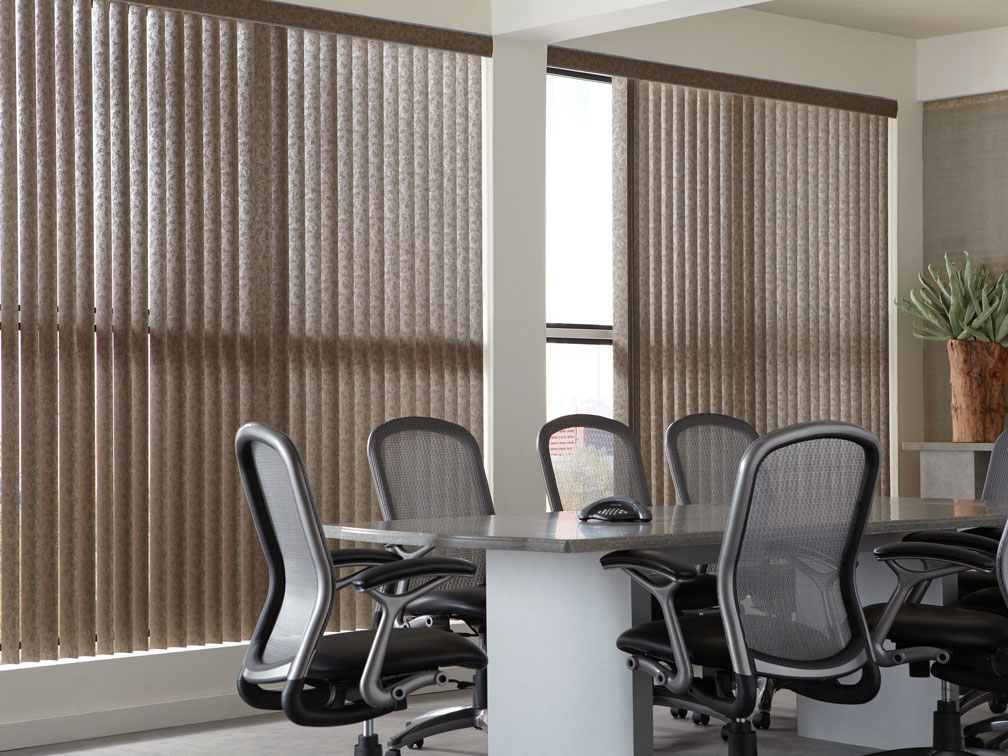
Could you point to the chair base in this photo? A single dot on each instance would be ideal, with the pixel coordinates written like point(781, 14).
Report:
point(996, 724)
point(436, 722)
point(741, 738)
point(367, 745)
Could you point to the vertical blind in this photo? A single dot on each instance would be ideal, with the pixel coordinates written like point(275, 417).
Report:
point(752, 262)
point(205, 222)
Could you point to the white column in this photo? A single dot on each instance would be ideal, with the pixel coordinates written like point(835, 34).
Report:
point(515, 364)
point(557, 682)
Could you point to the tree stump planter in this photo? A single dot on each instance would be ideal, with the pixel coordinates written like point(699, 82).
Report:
point(978, 376)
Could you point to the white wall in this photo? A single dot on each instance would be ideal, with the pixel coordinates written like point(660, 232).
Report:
point(769, 46)
point(962, 64)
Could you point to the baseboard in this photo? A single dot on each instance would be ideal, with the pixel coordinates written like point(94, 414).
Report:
point(98, 724)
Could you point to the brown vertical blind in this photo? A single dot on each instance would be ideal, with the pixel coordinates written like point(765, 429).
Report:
point(752, 260)
point(205, 222)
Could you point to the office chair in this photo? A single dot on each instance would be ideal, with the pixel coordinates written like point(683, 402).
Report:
point(979, 590)
point(426, 467)
point(969, 646)
point(788, 606)
point(703, 451)
point(995, 489)
point(587, 457)
point(342, 678)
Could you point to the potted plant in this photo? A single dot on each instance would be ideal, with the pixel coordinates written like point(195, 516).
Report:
point(969, 312)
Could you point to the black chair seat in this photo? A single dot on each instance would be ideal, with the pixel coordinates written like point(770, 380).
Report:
point(461, 603)
point(944, 627)
point(972, 581)
point(986, 600)
point(704, 636)
point(341, 656)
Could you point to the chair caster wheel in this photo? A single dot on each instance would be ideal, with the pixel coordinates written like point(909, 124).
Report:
point(701, 719)
point(678, 713)
point(724, 732)
point(761, 720)
point(998, 706)
point(416, 746)
point(392, 752)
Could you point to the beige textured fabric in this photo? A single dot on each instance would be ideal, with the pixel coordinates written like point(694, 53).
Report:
point(751, 260)
point(206, 222)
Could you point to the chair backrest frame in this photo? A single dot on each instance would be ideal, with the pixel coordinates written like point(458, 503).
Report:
point(601, 423)
point(701, 420)
point(471, 456)
point(857, 654)
point(255, 669)
point(468, 463)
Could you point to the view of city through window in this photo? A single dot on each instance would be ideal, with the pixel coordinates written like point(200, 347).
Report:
point(579, 301)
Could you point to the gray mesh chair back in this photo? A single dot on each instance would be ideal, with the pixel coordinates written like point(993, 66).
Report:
point(996, 483)
point(703, 453)
point(300, 571)
point(587, 457)
point(786, 573)
point(424, 467)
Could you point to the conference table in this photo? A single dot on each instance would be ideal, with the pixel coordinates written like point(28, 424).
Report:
point(557, 683)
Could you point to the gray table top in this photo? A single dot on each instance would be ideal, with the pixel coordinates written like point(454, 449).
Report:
point(562, 532)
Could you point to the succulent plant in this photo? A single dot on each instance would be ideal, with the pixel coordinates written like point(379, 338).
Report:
point(963, 304)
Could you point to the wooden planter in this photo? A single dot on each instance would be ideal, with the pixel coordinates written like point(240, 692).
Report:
point(978, 375)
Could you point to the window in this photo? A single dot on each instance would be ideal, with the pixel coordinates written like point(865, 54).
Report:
point(756, 259)
point(579, 258)
point(205, 222)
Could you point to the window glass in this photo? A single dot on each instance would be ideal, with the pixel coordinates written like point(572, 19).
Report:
point(579, 379)
point(578, 201)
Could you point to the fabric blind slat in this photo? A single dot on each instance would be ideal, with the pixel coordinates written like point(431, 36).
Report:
point(82, 445)
point(119, 304)
point(10, 534)
point(195, 335)
point(157, 246)
point(760, 263)
point(136, 333)
point(47, 602)
point(66, 291)
point(103, 328)
point(28, 195)
point(232, 520)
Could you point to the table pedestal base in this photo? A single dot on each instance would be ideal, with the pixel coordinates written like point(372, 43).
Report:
point(557, 683)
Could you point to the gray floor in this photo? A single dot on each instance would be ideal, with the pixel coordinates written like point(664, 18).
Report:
point(272, 734)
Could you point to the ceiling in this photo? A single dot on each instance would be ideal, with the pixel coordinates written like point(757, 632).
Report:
point(916, 19)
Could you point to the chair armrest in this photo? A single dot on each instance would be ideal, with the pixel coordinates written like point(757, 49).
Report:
point(979, 543)
point(641, 565)
point(650, 559)
point(361, 557)
point(939, 560)
point(392, 605)
point(407, 569)
point(936, 552)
